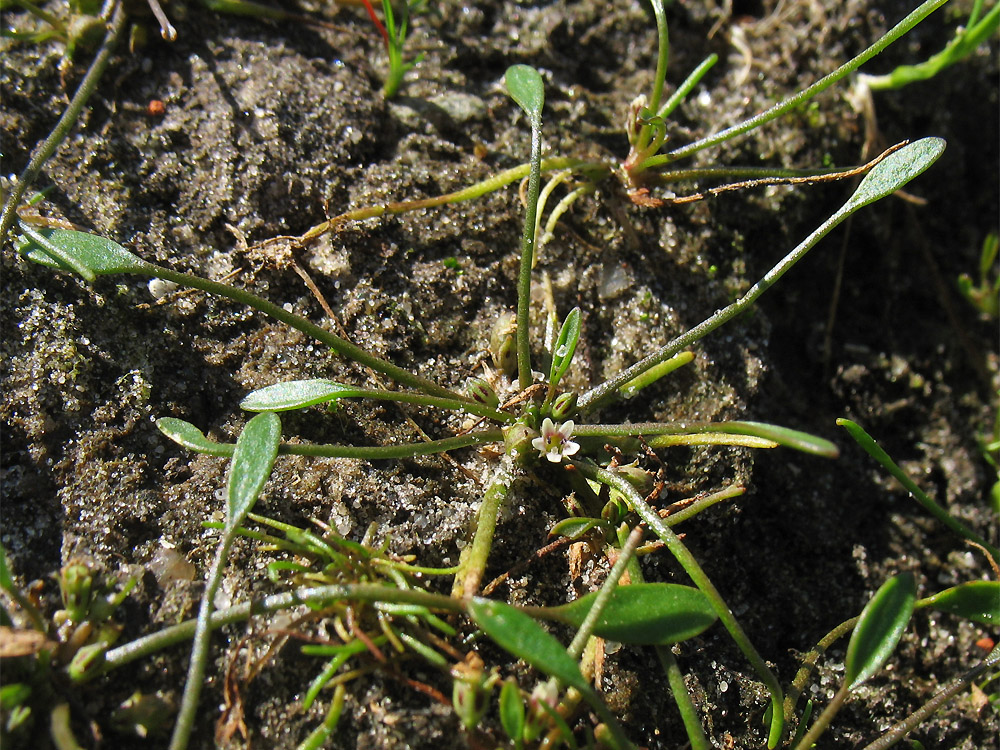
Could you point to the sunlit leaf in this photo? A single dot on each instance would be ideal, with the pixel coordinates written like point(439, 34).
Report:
point(520, 635)
point(879, 628)
point(796, 439)
point(188, 436)
point(256, 450)
point(562, 354)
point(297, 394)
point(895, 170)
point(524, 84)
point(978, 601)
point(643, 613)
point(69, 250)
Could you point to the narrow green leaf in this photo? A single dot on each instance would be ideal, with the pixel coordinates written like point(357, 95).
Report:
point(879, 628)
point(86, 254)
point(519, 634)
point(895, 170)
point(297, 394)
point(978, 601)
point(6, 579)
point(524, 84)
point(565, 348)
point(574, 528)
point(643, 613)
point(874, 450)
point(653, 374)
point(256, 450)
point(512, 710)
point(801, 441)
point(188, 436)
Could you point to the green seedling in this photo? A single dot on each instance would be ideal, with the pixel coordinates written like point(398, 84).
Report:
point(977, 601)
point(873, 640)
point(253, 458)
point(984, 296)
point(394, 32)
point(977, 29)
point(524, 425)
point(43, 656)
point(536, 430)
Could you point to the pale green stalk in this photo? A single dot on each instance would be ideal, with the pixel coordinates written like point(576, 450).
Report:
point(701, 580)
point(625, 555)
point(904, 26)
point(69, 117)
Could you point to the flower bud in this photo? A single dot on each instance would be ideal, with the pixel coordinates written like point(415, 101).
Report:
point(481, 391)
point(564, 406)
point(471, 690)
point(517, 443)
point(75, 584)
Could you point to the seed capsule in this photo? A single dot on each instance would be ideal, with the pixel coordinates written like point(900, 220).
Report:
point(481, 391)
point(564, 406)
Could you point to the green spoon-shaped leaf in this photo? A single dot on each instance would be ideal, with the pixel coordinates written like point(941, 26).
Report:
point(895, 170)
point(879, 628)
point(69, 250)
point(188, 436)
point(643, 613)
point(978, 601)
point(526, 88)
point(253, 459)
point(519, 634)
point(298, 394)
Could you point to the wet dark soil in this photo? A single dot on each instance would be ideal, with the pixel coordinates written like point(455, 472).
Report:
point(268, 128)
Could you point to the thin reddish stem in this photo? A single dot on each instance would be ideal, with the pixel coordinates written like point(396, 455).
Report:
point(378, 23)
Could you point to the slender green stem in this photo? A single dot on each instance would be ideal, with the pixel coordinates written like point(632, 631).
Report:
point(372, 453)
point(199, 648)
point(700, 579)
point(662, 54)
point(689, 83)
point(918, 15)
point(626, 554)
point(53, 21)
point(809, 664)
point(69, 117)
point(949, 691)
point(703, 504)
point(679, 691)
point(592, 397)
point(316, 596)
point(642, 145)
point(824, 719)
point(527, 259)
point(490, 185)
point(318, 737)
point(474, 563)
point(689, 714)
point(339, 345)
point(692, 174)
point(472, 407)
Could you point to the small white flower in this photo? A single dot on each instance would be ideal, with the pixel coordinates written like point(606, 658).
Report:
point(554, 442)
